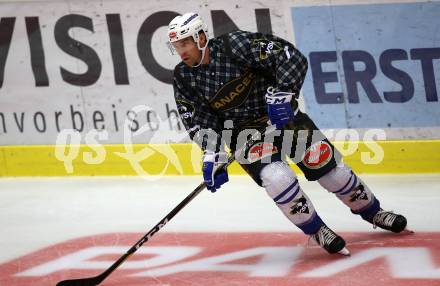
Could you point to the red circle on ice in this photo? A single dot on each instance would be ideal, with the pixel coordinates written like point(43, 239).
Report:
point(282, 259)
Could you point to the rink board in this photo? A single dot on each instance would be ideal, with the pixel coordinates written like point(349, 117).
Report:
point(184, 159)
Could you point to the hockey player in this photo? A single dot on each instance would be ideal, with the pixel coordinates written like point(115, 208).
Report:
point(244, 80)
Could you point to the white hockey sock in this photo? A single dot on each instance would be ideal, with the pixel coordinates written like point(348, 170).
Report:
point(348, 187)
point(283, 187)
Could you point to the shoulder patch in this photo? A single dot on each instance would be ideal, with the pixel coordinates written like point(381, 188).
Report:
point(266, 47)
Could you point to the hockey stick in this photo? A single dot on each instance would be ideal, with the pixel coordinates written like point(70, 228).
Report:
point(93, 281)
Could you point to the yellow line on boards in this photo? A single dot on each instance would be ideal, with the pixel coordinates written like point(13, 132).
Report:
point(375, 157)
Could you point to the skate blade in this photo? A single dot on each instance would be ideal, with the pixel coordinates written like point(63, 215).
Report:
point(344, 251)
point(407, 231)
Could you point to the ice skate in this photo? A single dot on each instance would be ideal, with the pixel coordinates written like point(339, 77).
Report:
point(330, 241)
point(389, 221)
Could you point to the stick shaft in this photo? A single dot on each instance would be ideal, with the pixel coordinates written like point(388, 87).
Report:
point(92, 281)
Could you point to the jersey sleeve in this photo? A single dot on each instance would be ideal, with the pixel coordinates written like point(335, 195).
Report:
point(274, 54)
point(203, 126)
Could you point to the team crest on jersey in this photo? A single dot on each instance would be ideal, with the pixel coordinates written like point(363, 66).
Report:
point(266, 47)
point(318, 155)
point(300, 207)
point(186, 110)
point(261, 150)
point(359, 194)
point(234, 92)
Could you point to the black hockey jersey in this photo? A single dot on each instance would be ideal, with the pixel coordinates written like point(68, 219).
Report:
point(233, 85)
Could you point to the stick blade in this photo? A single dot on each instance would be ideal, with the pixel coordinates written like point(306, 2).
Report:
point(92, 281)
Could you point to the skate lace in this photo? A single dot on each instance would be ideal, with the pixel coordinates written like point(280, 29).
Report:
point(324, 236)
point(384, 218)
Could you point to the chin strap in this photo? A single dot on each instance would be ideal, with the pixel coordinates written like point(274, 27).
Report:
point(203, 52)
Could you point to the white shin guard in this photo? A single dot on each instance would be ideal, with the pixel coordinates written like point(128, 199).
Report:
point(283, 187)
point(348, 187)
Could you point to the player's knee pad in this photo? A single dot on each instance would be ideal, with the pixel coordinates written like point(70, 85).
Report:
point(283, 187)
point(277, 177)
point(348, 187)
point(338, 179)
